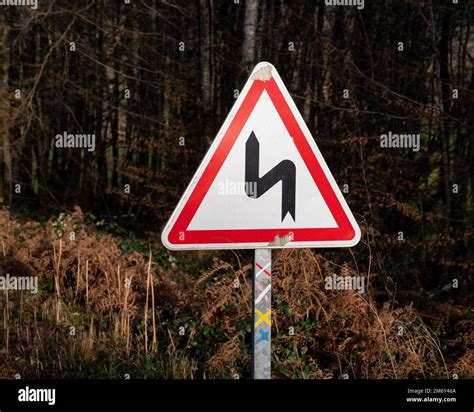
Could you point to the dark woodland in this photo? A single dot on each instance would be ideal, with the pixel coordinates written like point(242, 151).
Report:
point(153, 80)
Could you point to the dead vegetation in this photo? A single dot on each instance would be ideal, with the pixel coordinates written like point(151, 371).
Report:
point(105, 312)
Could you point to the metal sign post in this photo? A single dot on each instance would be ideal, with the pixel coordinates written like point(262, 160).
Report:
point(262, 311)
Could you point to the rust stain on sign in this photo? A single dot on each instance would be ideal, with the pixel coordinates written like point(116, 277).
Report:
point(264, 74)
point(280, 241)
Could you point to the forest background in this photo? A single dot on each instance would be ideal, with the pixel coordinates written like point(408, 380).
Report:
point(153, 81)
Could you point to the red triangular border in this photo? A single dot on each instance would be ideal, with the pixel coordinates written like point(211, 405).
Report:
point(179, 235)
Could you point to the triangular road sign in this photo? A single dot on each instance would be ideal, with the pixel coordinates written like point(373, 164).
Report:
point(263, 183)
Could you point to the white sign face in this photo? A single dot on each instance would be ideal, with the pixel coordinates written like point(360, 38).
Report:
point(263, 182)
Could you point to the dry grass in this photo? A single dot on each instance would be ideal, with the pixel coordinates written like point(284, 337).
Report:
point(118, 303)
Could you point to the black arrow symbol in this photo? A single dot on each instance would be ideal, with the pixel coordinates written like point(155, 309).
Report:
point(284, 171)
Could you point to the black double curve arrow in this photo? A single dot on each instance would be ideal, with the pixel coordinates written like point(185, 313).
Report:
point(285, 171)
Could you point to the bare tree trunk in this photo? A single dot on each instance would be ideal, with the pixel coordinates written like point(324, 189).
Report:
point(205, 57)
point(205, 51)
point(442, 79)
point(250, 32)
point(5, 154)
point(442, 88)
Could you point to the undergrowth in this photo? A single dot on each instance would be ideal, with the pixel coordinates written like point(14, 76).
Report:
point(110, 305)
